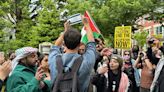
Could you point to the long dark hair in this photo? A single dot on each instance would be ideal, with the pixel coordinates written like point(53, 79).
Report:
point(114, 77)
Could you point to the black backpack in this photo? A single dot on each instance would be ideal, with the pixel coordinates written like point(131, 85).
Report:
point(67, 81)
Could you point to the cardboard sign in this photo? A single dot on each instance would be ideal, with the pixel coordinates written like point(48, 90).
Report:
point(45, 47)
point(122, 37)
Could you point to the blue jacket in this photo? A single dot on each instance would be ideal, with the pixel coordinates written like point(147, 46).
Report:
point(68, 59)
point(136, 74)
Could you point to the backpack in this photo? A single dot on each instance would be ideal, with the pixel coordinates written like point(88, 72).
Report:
point(67, 81)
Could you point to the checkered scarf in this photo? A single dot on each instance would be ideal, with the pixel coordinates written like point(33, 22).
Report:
point(20, 54)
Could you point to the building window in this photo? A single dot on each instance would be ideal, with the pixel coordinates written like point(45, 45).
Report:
point(158, 30)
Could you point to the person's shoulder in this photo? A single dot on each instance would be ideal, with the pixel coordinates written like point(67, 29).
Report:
point(91, 43)
point(16, 74)
point(125, 79)
point(19, 67)
point(69, 54)
point(161, 61)
point(14, 77)
point(54, 46)
point(23, 69)
point(124, 75)
point(55, 49)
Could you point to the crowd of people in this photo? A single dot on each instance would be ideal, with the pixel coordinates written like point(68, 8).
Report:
point(91, 67)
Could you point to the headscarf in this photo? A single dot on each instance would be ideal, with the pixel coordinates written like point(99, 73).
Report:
point(114, 79)
point(118, 58)
point(20, 54)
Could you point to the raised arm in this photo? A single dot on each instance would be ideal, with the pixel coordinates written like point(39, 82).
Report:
point(137, 62)
point(59, 41)
point(89, 30)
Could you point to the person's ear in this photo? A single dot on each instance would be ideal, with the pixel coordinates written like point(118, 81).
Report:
point(64, 44)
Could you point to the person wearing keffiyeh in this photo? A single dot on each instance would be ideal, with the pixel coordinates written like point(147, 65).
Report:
point(25, 76)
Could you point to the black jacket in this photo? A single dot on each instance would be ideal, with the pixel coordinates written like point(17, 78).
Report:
point(100, 82)
point(1, 84)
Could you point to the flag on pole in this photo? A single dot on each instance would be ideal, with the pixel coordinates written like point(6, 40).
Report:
point(92, 24)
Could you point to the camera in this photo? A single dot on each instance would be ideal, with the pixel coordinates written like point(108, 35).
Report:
point(141, 55)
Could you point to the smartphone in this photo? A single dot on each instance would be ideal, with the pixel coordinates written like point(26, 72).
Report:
point(75, 19)
point(43, 76)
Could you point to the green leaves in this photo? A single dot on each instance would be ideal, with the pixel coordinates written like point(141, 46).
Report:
point(140, 37)
point(46, 25)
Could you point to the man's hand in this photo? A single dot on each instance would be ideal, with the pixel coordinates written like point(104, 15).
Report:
point(59, 41)
point(66, 26)
point(88, 28)
point(39, 73)
point(102, 69)
point(106, 52)
point(85, 21)
point(2, 58)
point(5, 69)
point(105, 60)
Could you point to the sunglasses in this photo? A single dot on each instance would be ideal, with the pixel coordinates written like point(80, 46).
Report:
point(127, 54)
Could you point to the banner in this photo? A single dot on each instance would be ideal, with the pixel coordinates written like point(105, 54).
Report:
point(122, 37)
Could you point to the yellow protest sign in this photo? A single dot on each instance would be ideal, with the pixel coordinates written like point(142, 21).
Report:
point(122, 37)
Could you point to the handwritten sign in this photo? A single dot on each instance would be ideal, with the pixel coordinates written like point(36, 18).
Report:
point(122, 37)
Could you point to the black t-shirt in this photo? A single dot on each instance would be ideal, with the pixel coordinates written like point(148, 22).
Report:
point(114, 81)
point(98, 59)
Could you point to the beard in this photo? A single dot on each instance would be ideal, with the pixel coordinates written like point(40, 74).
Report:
point(30, 64)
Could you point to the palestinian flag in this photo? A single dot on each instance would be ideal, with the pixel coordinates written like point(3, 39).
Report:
point(96, 31)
